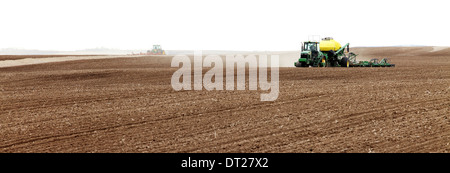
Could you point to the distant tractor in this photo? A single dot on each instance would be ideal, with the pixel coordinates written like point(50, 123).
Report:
point(329, 53)
point(156, 51)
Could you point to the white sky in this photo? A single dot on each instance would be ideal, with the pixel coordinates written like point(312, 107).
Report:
point(219, 25)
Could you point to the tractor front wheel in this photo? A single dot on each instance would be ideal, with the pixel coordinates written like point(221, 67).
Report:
point(323, 62)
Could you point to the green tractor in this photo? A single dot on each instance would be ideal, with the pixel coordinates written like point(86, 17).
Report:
point(327, 53)
point(156, 51)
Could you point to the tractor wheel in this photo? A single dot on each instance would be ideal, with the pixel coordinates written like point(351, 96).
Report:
point(298, 64)
point(345, 62)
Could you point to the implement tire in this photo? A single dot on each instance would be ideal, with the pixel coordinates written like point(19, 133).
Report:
point(345, 62)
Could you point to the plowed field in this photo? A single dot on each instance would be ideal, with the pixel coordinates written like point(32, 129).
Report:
point(128, 105)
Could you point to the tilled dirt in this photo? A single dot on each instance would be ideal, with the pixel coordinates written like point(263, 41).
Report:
point(15, 57)
point(128, 105)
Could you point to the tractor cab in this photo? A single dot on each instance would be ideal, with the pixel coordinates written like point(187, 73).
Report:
point(309, 52)
point(156, 47)
point(310, 46)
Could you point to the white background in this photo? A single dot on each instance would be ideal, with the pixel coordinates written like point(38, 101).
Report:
point(219, 25)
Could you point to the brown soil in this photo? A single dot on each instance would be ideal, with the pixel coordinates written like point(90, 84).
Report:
point(14, 57)
point(128, 105)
